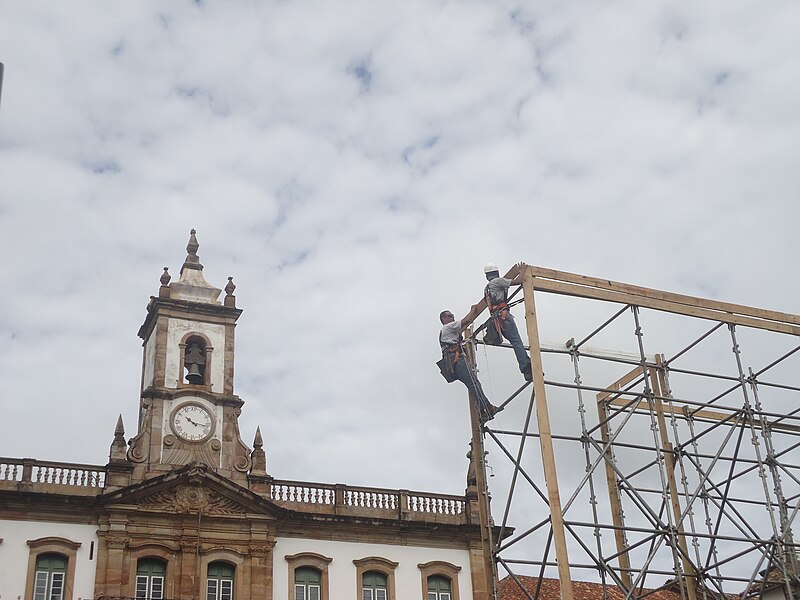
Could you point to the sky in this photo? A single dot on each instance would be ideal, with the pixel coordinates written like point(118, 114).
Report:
point(353, 165)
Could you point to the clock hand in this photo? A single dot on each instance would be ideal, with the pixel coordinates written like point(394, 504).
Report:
point(193, 423)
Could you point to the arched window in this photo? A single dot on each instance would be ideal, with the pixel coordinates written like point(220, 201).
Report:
point(51, 571)
point(438, 588)
point(220, 581)
point(150, 574)
point(194, 360)
point(307, 583)
point(374, 586)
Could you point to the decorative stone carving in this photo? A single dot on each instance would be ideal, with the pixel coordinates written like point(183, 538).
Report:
point(189, 547)
point(116, 540)
point(192, 499)
point(261, 549)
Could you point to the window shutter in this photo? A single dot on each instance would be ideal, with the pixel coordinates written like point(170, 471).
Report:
point(211, 589)
point(226, 590)
point(40, 586)
point(56, 586)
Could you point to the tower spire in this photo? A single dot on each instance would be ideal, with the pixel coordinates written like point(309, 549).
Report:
point(192, 260)
point(192, 285)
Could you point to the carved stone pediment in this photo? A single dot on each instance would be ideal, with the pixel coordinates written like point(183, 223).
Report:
point(192, 499)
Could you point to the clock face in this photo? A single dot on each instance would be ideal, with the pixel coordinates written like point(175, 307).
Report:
point(192, 422)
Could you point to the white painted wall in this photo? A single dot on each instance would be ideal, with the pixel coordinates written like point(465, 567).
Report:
point(176, 329)
point(342, 571)
point(14, 555)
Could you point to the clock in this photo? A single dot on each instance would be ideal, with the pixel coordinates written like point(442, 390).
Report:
point(192, 422)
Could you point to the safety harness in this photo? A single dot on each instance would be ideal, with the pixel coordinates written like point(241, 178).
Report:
point(450, 355)
point(498, 312)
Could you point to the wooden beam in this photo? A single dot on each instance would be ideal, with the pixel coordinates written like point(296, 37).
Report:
point(479, 458)
point(635, 290)
point(669, 464)
point(546, 440)
point(613, 492)
point(570, 289)
point(711, 415)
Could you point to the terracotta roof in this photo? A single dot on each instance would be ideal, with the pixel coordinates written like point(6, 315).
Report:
point(582, 590)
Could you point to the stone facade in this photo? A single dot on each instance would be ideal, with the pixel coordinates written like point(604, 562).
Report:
point(188, 499)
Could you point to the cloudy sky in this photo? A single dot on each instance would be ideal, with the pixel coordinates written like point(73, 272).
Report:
point(353, 165)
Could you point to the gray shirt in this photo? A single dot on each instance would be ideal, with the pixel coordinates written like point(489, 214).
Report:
point(497, 289)
point(451, 333)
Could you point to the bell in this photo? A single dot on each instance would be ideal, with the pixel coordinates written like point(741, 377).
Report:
point(194, 375)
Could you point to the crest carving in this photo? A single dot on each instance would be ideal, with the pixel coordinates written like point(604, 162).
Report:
point(192, 499)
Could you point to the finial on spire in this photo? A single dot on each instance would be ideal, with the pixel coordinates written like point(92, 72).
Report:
point(118, 446)
point(192, 260)
point(230, 299)
point(163, 291)
point(119, 430)
point(258, 458)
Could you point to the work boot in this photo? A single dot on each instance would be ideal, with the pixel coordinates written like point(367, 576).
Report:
point(528, 374)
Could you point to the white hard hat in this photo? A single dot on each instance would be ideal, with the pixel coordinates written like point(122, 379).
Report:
point(491, 267)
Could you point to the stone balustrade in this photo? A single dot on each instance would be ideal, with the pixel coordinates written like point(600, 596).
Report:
point(27, 474)
point(33, 475)
point(342, 499)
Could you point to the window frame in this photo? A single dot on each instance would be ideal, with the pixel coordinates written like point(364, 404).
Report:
point(151, 579)
point(310, 560)
point(50, 577)
point(442, 569)
point(233, 558)
point(63, 547)
point(381, 565)
point(220, 581)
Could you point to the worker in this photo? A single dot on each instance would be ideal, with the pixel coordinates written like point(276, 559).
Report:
point(455, 362)
point(501, 319)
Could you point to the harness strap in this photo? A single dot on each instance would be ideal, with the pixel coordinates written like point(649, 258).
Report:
point(455, 349)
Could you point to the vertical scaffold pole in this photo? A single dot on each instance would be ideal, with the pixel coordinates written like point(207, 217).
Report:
point(545, 438)
point(479, 460)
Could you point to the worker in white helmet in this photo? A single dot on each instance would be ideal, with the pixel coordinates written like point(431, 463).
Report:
point(454, 363)
point(501, 320)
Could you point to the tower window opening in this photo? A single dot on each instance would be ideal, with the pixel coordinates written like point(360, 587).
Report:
point(194, 361)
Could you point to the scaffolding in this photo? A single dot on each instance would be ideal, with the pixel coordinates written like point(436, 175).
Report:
point(671, 462)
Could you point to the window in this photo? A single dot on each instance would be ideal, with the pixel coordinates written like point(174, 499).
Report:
point(150, 573)
point(51, 568)
point(194, 361)
point(220, 581)
point(51, 572)
point(438, 588)
point(308, 576)
point(375, 578)
point(307, 583)
point(439, 580)
point(374, 586)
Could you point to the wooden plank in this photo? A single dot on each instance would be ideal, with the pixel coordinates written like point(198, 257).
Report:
point(669, 463)
point(711, 415)
point(570, 289)
point(620, 383)
point(546, 440)
point(738, 309)
point(479, 456)
point(613, 495)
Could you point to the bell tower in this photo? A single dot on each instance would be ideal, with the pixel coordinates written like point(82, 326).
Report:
point(188, 411)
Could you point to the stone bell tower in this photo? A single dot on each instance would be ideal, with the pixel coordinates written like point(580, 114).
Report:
point(188, 411)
